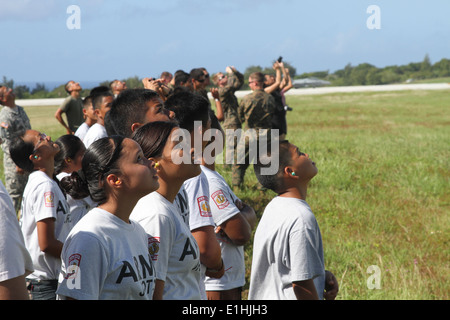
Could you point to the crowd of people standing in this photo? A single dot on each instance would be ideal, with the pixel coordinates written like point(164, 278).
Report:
point(106, 211)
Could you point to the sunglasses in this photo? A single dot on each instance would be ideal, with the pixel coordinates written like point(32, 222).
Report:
point(42, 137)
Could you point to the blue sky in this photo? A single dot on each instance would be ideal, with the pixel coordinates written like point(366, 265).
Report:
point(119, 39)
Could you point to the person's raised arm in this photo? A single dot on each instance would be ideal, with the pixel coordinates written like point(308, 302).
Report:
point(288, 85)
point(219, 109)
point(235, 78)
point(277, 65)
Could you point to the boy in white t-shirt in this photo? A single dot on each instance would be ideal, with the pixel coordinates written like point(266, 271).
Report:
point(234, 223)
point(102, 102)
point(288, 258)
point(89, 116)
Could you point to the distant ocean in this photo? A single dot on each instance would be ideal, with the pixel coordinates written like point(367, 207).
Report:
point(50, 85)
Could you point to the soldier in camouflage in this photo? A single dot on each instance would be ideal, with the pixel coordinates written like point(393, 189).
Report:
point(255, 111)
point(228, 84)
point(13, 123)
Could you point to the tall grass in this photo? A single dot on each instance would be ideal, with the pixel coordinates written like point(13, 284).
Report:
point(381, 196)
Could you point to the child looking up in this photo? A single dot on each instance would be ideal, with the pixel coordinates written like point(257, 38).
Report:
point(288, 258)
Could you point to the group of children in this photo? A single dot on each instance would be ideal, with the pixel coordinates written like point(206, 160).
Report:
point(118, 217)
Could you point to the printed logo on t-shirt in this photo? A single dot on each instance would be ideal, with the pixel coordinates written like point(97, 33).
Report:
point(73, 266)
point(220, 199)
point(153, 247)
point(203, 206)
point(49, 197)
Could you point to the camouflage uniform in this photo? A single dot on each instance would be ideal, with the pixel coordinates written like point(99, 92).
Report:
point(14, 122)
point(230, 107)
point(255, 110)
point(229, 101)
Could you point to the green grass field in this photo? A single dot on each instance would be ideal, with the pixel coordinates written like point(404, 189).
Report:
point(381, 196)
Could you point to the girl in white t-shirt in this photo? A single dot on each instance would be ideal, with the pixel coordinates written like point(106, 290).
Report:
point(45, 217)
point(106, 256)
point(175, 251)
point(68, 160)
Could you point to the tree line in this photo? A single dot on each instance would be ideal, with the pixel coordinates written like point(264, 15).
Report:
point(362, 74)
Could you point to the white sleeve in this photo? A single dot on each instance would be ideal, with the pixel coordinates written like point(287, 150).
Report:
point(14, 257)
point(197, 190)
point(46, 203)
point(305, 261)
point(222, 201)
point(161, 236)
point(84, 266)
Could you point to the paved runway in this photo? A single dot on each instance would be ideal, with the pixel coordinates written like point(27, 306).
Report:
point(302, 91)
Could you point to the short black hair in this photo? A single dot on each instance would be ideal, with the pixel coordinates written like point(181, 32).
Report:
point(181, 77)
point(273, 182)
point(188, 107)
point(97, 98)
point(129, 107)
point(66, 86)
point(87, 101)
point(197, 73)
point(97, 90)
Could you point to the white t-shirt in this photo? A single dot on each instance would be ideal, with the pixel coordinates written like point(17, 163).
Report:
point(175, 251)
point(15, 260)
point(287, 247)
point(182, 202)
point(82, 131)
point(223, 207)
point(197, 190)
point(105, 258)
point(95, 132)
point(43, 199)
point(77, 208)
